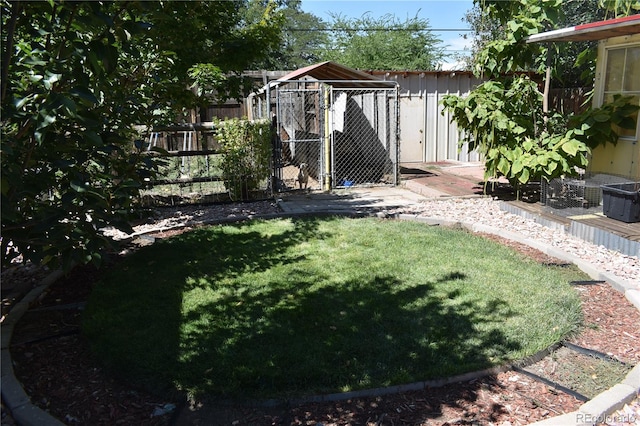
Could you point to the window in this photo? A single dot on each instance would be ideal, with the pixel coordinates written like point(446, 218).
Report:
point(622, 76)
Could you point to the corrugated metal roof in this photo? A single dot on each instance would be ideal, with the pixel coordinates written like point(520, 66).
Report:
point(336, 75)
point(592, 31)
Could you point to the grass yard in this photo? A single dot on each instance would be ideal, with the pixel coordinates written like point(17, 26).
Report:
point(292, 307)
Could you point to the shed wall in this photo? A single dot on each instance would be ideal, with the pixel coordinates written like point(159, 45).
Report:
point(426, 135)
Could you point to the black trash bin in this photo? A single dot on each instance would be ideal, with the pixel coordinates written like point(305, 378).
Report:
point(622, 201)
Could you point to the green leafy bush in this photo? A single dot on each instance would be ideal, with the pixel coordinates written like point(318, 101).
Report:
point(597, 126)
point(505, 123)
point(503, 118)
point(77, 79)
point(246, 149)
point(69, 167)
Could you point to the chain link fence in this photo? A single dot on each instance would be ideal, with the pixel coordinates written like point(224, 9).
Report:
point(333, 137)
point(364, 137)
point(190, 171)
point(298, 162)
point(324, 136)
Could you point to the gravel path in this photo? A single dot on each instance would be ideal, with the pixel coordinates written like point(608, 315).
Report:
point(471, 210)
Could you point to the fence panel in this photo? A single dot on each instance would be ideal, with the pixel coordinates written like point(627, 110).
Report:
point(343, 132)
point(300, 123)
point(570, 100)
point(364, 136)
point(191, 173)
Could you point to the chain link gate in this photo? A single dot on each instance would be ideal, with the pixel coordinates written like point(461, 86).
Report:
point(364, 136)
point(339, 136)
point(300, 123)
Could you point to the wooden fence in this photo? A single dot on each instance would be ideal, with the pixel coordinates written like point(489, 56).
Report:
point(570, 100)
point(191, 168)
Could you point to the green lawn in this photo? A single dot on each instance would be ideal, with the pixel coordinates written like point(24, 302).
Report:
point(302, 306)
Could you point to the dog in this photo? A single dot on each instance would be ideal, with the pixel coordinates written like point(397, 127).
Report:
point(303, 175)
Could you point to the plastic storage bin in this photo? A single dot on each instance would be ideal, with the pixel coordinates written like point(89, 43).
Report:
point(622, 201)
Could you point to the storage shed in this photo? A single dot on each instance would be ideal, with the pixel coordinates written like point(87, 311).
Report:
point(426, 133)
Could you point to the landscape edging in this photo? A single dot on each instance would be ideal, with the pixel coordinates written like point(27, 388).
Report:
point(607, 402)
point(24, 412)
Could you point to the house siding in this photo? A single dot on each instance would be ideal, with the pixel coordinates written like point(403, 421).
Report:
point(622, 159)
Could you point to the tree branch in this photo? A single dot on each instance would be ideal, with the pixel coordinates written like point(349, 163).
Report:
point(8, 53)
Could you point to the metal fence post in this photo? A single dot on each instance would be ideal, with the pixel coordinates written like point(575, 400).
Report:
point(326, 140)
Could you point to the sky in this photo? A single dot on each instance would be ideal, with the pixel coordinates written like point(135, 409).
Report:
point(441, 14)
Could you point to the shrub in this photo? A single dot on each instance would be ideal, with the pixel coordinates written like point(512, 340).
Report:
point(246, 149)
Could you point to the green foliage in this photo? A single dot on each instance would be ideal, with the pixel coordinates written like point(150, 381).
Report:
point(68, 165)
point(620, 8)
point(505, 123)
point(384, 44)
point(302, 35)
point(503, 117)
point(574, 63)
point(571, 68)
point(198, 36)
point(206, 78)
point(246, 150)
point(519, 19)
point(597, 126)
point(77, 77)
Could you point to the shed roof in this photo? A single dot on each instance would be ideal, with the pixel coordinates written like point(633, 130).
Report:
point(592, 31)
point(336, 75)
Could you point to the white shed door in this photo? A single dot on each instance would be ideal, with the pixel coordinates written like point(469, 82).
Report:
point(412, 137)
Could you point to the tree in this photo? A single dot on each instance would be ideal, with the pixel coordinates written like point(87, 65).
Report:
point(385, 43)
point(503, 119)
point(210, 44)
point(77, 77)
point(619, 8)
point(572, 63)
point(302, 35)
point(516, 20)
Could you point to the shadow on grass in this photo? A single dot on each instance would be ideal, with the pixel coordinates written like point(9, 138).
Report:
point(353, 335)
point(297, 335)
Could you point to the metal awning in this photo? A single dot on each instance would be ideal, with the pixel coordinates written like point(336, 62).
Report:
point(334, 74)
point(592, 31)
